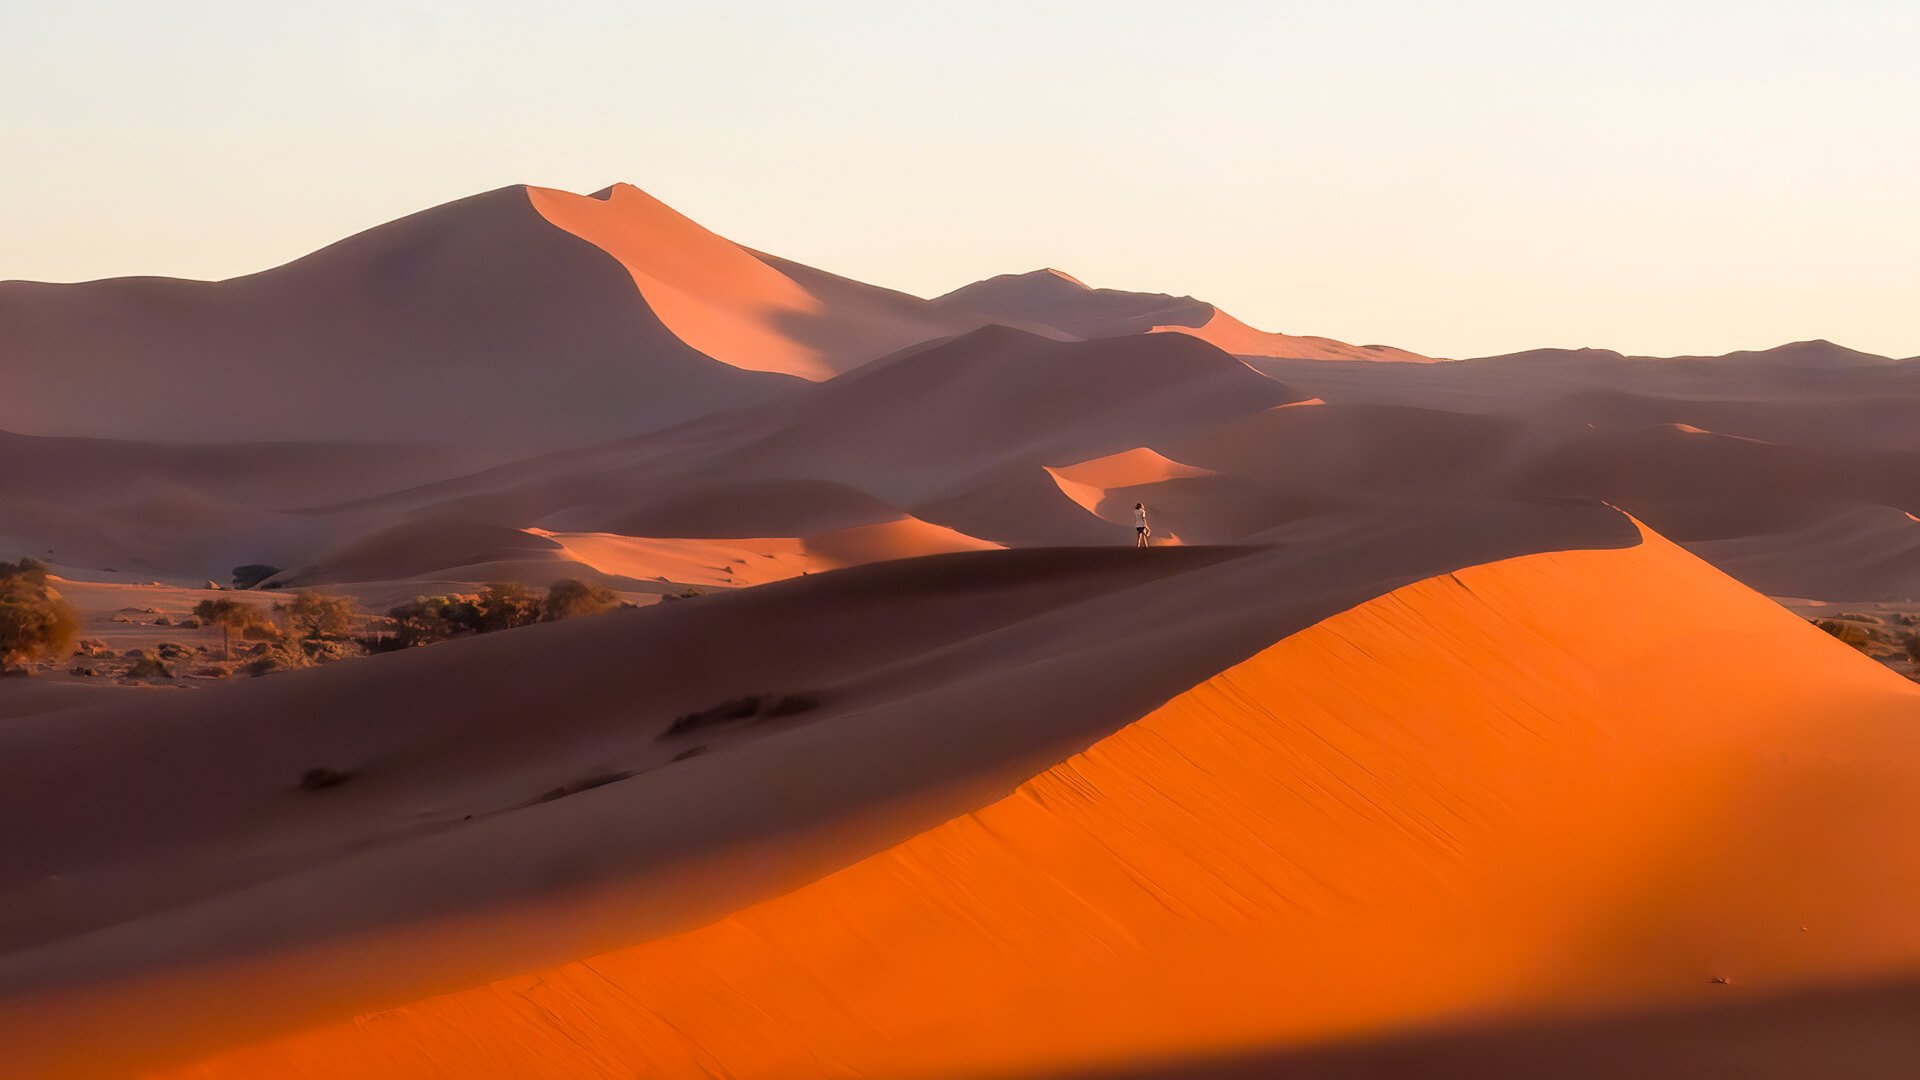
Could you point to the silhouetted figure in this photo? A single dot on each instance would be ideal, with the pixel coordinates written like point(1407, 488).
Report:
point(1140, 529)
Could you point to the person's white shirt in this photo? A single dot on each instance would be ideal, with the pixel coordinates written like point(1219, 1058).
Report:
point(1139, 517)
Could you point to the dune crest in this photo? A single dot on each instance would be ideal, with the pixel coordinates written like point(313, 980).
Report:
point(1521, 787)
point(1234, 336)
point(1090, 483)
point(740, 307)
point(706, 289)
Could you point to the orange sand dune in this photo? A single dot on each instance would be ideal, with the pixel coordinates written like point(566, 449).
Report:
point(253, 909)
point(746, 562)
point(1093, 484)
point(904, 539)
point(1526, 786)
point(738, 307)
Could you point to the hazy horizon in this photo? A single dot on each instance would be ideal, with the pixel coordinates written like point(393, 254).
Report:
point(1656, 179)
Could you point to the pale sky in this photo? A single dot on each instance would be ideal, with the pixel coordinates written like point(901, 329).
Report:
point(1453, 178)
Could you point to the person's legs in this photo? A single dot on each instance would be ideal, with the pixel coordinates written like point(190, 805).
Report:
point(1139, 538)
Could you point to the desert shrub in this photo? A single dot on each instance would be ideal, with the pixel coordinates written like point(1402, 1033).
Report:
point(172, 650)
point(261, 631)
point(745, 707)
point(149, 667)
point(35, 621)
point(1913, 648)
point(739, 708)
point(320, 778)
point(569, 597)
point(506, 605)
point(321, 650)
point(427, 619)
point(252, 574)
point(1851, 633)
point(583, 784)
point(317, 616)
point(31, 571)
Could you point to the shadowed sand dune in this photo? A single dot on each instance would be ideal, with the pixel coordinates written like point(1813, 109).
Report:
point(1498, 792)
point(476, 324)
point(1061, 301)
point(945, 681)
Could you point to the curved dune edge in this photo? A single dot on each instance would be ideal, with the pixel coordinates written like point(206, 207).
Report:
point(1231, 335)
point(906, 538)
point(1089, 483)
point(709, 291)
point(757, 561)
point(1530, 785)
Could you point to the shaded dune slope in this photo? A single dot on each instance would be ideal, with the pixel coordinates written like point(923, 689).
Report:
point(945, 681)
point(1391, 818)
point(537, 334)
point(1058, 300)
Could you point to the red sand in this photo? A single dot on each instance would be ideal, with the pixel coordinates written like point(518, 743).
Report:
point(1525, 787)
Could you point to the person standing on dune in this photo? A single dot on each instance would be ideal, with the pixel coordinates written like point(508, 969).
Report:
point(1140, 529)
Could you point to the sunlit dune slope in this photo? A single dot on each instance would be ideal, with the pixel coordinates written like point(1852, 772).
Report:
point(739, 307)
point(1092, 484)
point(1528, 785)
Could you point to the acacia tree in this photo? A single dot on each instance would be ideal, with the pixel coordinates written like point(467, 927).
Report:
point(228, 615)
point(316, 616)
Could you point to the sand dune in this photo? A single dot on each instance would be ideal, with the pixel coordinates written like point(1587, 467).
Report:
point(1059, 300)
point(945, 681)
point(537, 336)
point(1432, 757)
point(1104, 485)
point(1861, 553)
point(737, 306)
point(1318, 842)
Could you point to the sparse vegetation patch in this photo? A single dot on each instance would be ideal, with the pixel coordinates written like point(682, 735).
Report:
point(746, 707)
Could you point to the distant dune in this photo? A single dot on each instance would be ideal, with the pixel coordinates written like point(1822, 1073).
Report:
point(1059, 300)
point(737, 306)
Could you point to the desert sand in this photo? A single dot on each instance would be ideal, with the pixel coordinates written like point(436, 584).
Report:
point(1391, 818)
point(1470, 720)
